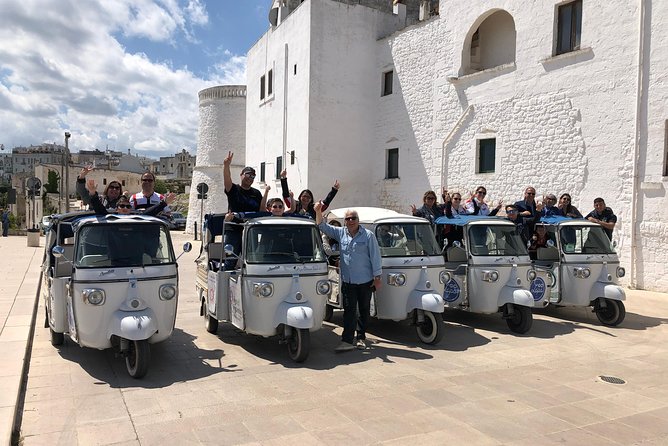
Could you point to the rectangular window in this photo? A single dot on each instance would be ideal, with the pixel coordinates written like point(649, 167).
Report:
point(665, 151)
point(270, 82)
point(263, 169)
point(104, 181)
point(569, 27)
point(292, 157)
point(388, 78)
point(279, 166)
point(295, 69)
point(123, 183)
point(392, 170)
point(486, 155)
point(262, 88)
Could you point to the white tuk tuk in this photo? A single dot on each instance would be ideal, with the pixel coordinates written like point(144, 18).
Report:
point(111, 281)
point(584, 268)
point(490, 271)
point(277, 287)
point(412, 271)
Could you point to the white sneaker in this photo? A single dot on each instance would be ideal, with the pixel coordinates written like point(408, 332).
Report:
point(344, 347)
point(361, 344)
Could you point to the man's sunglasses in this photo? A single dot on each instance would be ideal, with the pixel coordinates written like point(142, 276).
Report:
point(124, 206)
point(350, 218)
point(250, 175)
point(112, 186)
point(277, 206)
point(147, 180)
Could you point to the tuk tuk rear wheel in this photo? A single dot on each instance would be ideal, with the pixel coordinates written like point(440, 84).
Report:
point(431, 330)
point(137, 358)
point(521, 320)
point(56, 338)
point(329, 312)
point(298, 344)
point(613, 314)
point(210, 323)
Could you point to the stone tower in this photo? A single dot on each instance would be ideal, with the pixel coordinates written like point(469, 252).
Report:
point(222, 127)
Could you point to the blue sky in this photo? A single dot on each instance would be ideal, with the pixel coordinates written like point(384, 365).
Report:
point(122, 74)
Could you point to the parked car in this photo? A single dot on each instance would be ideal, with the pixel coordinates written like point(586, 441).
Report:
point(177, 221)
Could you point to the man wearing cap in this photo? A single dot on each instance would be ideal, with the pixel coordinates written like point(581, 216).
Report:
point(242, 197)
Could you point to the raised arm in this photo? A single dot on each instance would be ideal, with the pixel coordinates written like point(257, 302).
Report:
point(95, 198)
point(263, 203)
point(227, 175)
point(284, 189)
point(330, 196)
point(81, 184)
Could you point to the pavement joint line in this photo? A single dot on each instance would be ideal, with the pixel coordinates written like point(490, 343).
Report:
point(18, 291)
point(20, 398)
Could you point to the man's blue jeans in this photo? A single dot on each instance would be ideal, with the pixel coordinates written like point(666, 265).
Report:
point(355, 296)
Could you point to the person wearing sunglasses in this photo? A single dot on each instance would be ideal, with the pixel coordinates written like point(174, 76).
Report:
point(567, 209)
point(476, 204)
point(123, 205)
point(108, 198)
point(242, 197)
point(305, 201)
point(522, 223)
point(361, 269)
point(148, 197)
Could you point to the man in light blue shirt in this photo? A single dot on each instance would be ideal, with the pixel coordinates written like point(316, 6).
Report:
point(361, 269)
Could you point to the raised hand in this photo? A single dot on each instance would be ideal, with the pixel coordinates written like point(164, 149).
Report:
point(228, 159)
point(85, 171)
point(413, 209)
point(91, 186)
point(229, 216)
point(267, 188)
point(336, 184)
point(284, 174)
point(318, 207)
point(170, 197)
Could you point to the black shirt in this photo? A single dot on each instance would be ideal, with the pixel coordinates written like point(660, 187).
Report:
point(606, 216)
point(243, 200)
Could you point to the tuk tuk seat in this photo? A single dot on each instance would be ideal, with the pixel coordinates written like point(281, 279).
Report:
point(548, 253)
point(456, 254)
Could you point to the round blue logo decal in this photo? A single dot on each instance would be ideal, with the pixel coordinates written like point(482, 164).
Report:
point(537, 288)
point(452, 291)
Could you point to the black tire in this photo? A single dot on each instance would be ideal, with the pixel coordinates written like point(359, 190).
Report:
point(56, 338)
point(210, 322)
point(299, 344)
point(137, 358)
point(613, 314)
point(329, 312)
point(521, 320)
point(431, 330)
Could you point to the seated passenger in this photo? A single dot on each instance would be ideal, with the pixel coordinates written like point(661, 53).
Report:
point(123, 206)
point(538, 240)
point(550, 208)
point(386, 238)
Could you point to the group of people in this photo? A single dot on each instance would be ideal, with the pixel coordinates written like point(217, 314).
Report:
point(525, 213)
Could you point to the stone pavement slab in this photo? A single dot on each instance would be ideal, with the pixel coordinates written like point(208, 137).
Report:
point(482, 385)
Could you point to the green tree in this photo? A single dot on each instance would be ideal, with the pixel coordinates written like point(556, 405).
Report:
point(160, 186)
point(52, 183)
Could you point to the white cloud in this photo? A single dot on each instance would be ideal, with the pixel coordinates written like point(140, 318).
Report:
point(62, 69)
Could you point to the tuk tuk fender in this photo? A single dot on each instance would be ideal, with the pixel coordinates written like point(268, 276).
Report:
point(515, 296)
point(297, 316)
point(425, 300)
point(608, 290)
point(135, 326)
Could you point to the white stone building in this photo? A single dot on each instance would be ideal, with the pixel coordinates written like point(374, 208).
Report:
point(566, 96)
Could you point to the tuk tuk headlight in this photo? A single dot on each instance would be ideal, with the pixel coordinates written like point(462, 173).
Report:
point(167, 292)
point(94, 296)
point(396, 279)
point(490, 276)
point(444, 277)
point(263, 289)
point(531, 275)
point(621, 272)
point(323, 287)
point(582, 273)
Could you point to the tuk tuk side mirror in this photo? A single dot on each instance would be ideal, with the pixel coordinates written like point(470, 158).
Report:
point(457, 244)
point(614, 243)
point(187, 247)
point(550, 243)
point(58, 252)
point(229, 251)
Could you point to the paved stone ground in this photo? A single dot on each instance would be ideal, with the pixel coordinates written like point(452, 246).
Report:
point(481, 386)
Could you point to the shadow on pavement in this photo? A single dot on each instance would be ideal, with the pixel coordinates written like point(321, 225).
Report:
point(176, 359)
point(632, 321)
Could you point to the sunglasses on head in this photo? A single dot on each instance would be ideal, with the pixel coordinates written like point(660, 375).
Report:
point(124, 206)
point(147, 180)
point(350, 218)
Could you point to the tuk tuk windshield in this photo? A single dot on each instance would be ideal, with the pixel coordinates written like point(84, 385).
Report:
point(283, 244)
point(406, 239)
point(495, 240)
point(123, 245)
point(584, 240)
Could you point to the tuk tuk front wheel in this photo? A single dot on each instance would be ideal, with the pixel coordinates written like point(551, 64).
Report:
point(329, 312)
point(56, 338)
point(137, 358)
point(521, 320)
point(298, 344)
point(613, 314)
point(431, 330)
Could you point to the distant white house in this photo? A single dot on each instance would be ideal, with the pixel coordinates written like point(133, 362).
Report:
point(393, 100)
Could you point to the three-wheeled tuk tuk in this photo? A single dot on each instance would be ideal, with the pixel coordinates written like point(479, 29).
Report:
point(490, 271)
point(584, 268)
point(412, 271)
point(111, 281)
point(278, 283)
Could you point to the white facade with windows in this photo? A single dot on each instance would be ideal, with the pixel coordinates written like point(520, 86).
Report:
point(565, 96)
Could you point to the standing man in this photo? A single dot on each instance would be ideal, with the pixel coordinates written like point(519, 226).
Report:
point(603, 216)
point(242, 197)
point(4, 215)
point(528, 209)
point(148, 196)
point(360, 266)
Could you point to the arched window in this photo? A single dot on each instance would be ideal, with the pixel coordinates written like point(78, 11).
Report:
point(491, 42)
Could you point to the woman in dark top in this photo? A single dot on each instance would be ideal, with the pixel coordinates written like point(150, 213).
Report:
point(567, 208)
point(305, 201)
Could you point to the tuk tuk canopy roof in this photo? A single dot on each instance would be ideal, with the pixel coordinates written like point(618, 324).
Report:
point(115, 219)
point(558, 220)
point(214, 222)
point(462, 220)
point(371, 215)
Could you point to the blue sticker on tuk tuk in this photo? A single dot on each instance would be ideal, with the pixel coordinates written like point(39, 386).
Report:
point(452, 291)
point(537, 288)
